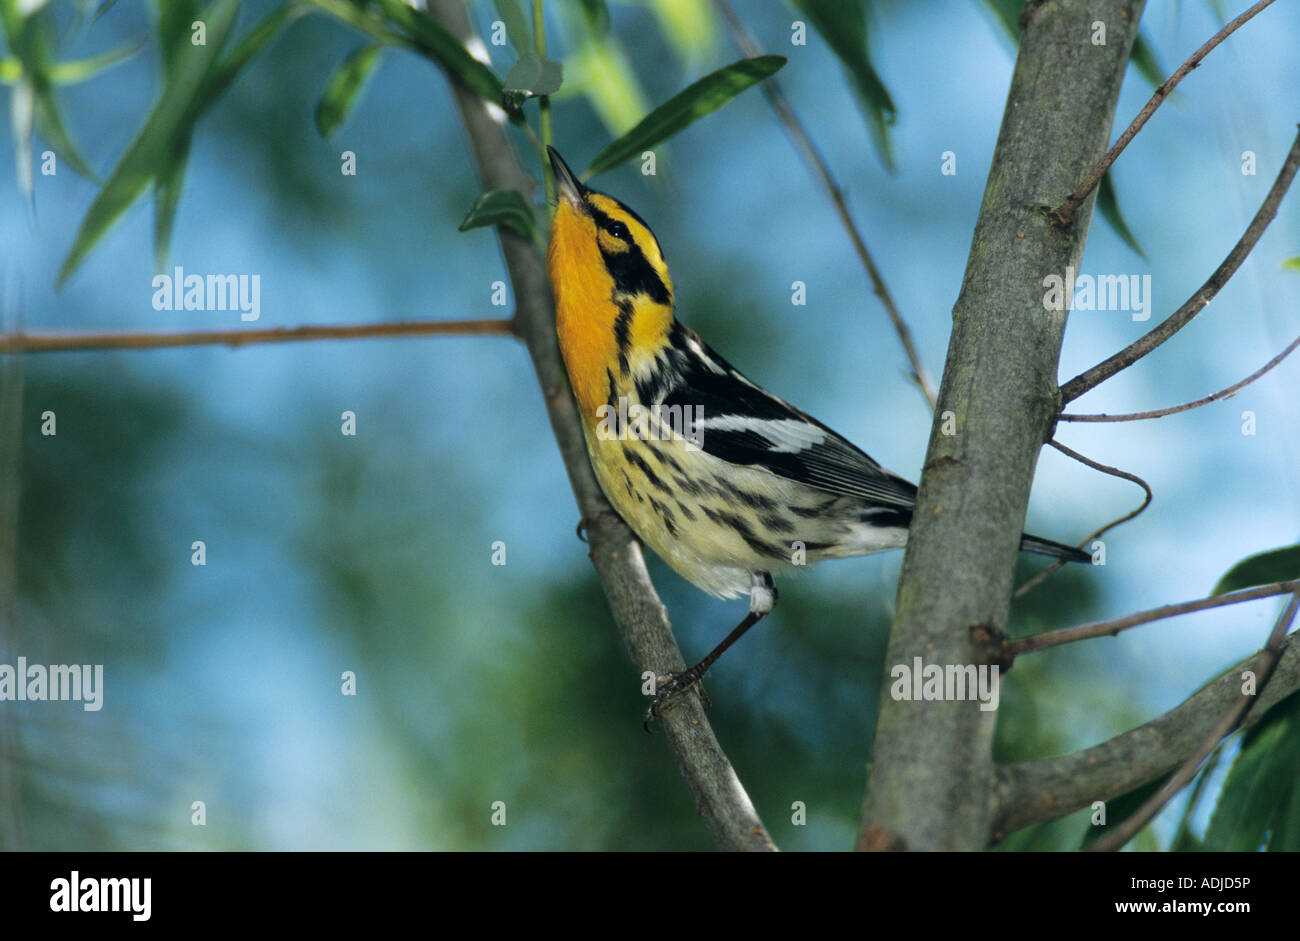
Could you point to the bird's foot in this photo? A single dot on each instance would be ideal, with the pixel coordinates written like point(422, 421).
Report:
point(668, 688)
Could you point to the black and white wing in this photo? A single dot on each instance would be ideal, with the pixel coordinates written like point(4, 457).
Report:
point(747, 425)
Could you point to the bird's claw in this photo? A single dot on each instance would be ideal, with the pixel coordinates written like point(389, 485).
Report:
point(668, 687)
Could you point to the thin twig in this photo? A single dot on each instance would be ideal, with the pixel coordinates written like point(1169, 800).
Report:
point(1105, 469)
point(1062, 213)
point(745, 41)
point(1174, 409)
point(1265, 663)
point(1070, 635)
point(24, 342)
point(1197, 302)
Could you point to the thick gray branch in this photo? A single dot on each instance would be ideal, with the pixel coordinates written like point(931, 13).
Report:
point(932, 773)
point(1033, 791)
point(640, 616)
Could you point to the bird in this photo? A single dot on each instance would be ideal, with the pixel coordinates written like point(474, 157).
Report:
point(723, 480)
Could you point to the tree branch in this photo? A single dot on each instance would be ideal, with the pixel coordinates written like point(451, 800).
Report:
point(22, 342)
point(744, 41)
point(1263, 666)
point(1063, 212)
point(932, 772)
point(1187, 406)
point(1034, 791)
point(1112, 627)
point(641, 618)
point(1198, 301)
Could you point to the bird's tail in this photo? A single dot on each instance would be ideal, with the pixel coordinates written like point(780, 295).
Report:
point(1055, 549)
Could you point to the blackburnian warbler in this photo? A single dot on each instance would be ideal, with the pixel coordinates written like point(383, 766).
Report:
point(723, 480)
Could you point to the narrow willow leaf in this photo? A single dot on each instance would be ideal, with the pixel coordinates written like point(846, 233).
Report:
point(1258, 800)
point(146, 157)
point(224, 73)
point(167, 197)
point(688, 25)
point(843, 24)
point(1108, 204)
point(344, 87)
point(501, 207)
point(596, 15)
point(686, 107)
point(80, 70)
point(1291, 264)
point(433, 38)
point(1143, 58)
point(1264, 568)
point(600, 70)
point(50, 125)
point(175, 20)
point(30, 39)
point(516, 26)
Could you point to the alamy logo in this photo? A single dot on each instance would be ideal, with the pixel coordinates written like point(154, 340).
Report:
point(1099, 292)
point(76, 894)
point(77, 682)
point(931, 682)
point(634, 421)
point(181, 291)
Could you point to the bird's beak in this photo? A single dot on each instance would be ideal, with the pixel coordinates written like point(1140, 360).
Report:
point(566, 184)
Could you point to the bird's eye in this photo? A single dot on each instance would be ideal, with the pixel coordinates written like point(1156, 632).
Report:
point(619, 231)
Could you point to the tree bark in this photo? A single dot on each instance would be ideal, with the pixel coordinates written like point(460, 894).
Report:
point(931, 778)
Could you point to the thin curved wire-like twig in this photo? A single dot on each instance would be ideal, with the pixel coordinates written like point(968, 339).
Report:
point(1105, 469)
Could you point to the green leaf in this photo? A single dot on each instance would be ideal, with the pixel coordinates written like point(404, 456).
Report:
point(175, 20)
point(501, 207)
point(596, 15)
point(1260, 800)
point(433, 38)
point(344, 87)
point(600, 71)
point(167, 197)
point(225, 72)
point(686, 107)
point(49, 122)
point(843, 24)
point(1291, 264)
point(1143, 58)
point(1264, 568)
point(74, 70)
point(532, 77)
point(516, 26)
point(1108, 204)
point(147, 156)
point(688, 25)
